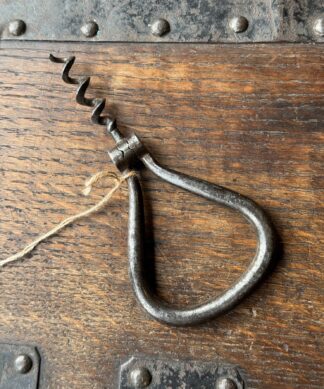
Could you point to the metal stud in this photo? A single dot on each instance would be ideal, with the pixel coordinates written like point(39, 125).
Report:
point(319, 26)
point(160, 27)
point(140, 377)
point(23, 364)
point(239, 24)
point(17, 27)
point(226, 383)
point(90, 29)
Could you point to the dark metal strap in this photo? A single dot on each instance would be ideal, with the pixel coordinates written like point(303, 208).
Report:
point(204, 21)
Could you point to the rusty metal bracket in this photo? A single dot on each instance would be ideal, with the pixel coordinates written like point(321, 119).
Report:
point(19, 367)
point(153, 373)
point(228, 21)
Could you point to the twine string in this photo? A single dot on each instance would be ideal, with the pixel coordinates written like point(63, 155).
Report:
point(71, 219)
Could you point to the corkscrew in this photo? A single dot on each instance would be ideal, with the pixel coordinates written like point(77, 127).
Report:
point(127, 152)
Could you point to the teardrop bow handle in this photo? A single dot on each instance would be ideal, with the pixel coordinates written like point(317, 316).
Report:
point(127, 151)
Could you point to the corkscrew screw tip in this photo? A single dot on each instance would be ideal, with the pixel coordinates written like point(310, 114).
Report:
point(98, 104)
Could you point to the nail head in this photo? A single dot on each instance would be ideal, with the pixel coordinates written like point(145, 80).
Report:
point(90, 29)
point(319, 26)
point(17, 27)
point(239, 24)
point(160, 27)
point(23, 364)
point(226, 383)
point(140, 377)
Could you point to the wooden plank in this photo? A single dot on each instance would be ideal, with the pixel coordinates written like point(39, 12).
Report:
point(248, 117)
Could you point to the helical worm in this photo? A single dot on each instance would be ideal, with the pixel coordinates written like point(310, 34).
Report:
point(98, 104)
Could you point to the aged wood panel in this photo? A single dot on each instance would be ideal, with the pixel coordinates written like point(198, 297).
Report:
point(247, 117)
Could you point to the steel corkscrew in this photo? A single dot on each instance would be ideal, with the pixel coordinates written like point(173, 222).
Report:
point(126, 153)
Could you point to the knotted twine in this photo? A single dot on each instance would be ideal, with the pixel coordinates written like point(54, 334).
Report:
point(71, 219)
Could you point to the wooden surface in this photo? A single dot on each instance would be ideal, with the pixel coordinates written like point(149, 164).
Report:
point(246, 117)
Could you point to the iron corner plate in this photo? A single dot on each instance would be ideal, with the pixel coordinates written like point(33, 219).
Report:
point(152, 373)
point(19, 366)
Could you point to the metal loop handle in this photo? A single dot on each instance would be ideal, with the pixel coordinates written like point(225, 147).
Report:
point(156, 307)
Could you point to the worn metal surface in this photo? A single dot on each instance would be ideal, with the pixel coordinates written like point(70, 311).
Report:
point(127, 153)
point(175, 374)
point(190, 20)
point(19, 367)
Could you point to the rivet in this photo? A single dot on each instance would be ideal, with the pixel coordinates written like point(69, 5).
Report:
point(140, 377)
point(160, 27)
point(17, 27)
point(239, 24)
point(23, 364)
point(319, 26)
point(226, 383)
point(90, 29)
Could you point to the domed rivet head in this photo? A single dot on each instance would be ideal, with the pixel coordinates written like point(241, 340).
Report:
point(90, 29)
point(140, 377)
point(239, 24)
point(23, 364)
point(226, 383)
point(17, 27)
point(160, 27)
point(319, 26)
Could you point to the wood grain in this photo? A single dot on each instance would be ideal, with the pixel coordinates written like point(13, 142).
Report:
point(248, 117)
